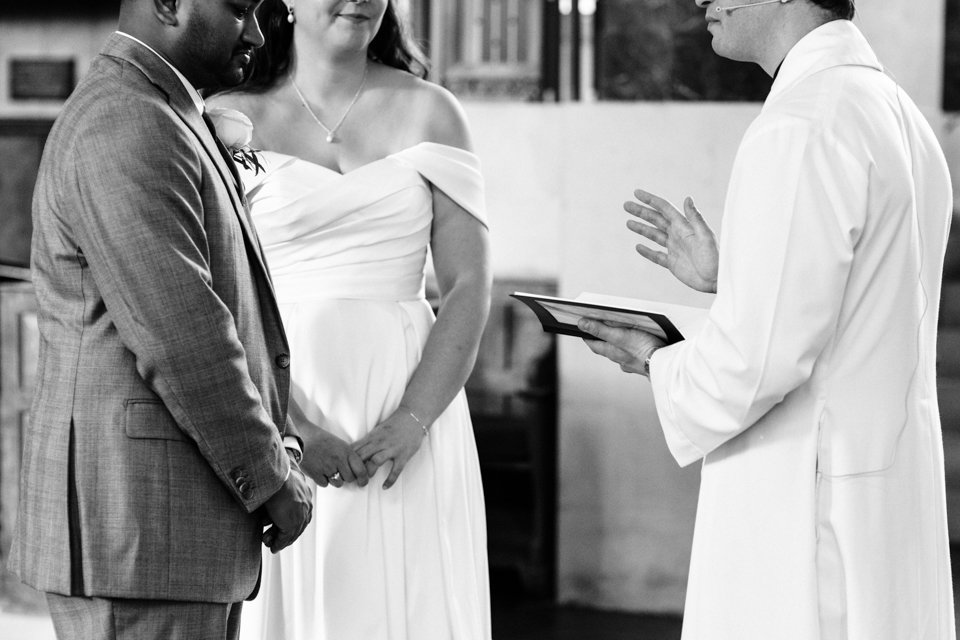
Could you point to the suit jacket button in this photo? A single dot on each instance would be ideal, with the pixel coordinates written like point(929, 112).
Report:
point(244, 490)
point(283, 361)
point(240, 480)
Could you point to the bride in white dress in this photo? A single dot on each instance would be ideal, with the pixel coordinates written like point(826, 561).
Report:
point(365, 166)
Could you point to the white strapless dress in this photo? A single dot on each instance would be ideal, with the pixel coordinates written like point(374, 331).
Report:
point(347, 253)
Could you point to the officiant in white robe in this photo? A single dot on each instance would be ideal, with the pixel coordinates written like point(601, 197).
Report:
point(810, 394)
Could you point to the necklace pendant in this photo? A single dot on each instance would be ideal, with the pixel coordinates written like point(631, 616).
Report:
point(332, 133)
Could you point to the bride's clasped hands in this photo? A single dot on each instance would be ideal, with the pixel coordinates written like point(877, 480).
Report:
point(330, 460)
point(395, 440)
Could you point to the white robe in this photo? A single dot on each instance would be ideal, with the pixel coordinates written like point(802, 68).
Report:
point(810, 393)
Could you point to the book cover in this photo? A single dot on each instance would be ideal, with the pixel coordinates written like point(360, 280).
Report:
point(670, 322)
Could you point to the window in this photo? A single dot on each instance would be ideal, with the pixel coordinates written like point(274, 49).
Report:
point(484, 48)
point(580, 50)
point(660, 50)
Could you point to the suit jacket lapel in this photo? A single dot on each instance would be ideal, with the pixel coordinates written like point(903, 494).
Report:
point(167, 81)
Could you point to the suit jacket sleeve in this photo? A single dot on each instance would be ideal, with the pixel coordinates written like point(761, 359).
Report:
point(142, 230)
point(795, 208)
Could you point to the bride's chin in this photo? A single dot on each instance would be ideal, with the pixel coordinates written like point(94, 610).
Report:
point(353, 33)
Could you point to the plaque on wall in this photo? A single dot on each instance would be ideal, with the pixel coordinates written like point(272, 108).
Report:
point(23, 140)
point(59, 9)
point(43, 79)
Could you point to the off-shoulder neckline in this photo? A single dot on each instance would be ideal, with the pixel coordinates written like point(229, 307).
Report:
point(372, 162)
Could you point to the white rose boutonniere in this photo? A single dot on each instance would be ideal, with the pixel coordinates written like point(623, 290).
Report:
point(235, 132)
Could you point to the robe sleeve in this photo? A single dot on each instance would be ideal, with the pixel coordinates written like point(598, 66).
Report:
point(795, 209)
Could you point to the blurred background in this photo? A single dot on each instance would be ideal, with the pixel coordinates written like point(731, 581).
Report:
point(573, 104)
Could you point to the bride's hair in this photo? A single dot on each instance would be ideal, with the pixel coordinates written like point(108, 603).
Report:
point(392, 46)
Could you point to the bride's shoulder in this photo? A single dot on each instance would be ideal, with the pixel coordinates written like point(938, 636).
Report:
point(431, 109)
point(417, 88)
point(447, 122)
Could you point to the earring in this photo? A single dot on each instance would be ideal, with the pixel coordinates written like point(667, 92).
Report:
point(291, 18)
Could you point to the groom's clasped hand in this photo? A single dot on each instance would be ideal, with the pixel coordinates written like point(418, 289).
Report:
point(289, 511)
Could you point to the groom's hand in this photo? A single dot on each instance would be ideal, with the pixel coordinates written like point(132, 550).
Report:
point(289, 509)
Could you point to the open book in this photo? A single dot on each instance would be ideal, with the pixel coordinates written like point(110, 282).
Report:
point(670, 322)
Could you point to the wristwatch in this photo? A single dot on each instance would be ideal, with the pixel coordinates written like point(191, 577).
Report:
point(646, 364)
point(295, 454)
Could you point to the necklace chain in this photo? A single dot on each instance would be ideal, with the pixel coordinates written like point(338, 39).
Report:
point(331, 133)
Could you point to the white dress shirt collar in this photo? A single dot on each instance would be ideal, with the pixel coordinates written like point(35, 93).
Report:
point(191, 91)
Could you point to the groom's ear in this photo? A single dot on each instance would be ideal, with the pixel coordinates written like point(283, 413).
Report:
point(167, 11)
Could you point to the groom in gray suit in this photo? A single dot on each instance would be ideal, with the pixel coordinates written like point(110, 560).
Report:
point(156, 452)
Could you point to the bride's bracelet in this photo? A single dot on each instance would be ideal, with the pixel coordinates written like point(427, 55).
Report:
point(426, 429)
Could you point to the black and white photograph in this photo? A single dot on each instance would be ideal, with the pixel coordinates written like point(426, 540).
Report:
point(479, 319)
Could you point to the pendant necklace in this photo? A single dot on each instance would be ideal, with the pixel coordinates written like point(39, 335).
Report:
point(331, 133)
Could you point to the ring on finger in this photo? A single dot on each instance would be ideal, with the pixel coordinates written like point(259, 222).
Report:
point(336, 477)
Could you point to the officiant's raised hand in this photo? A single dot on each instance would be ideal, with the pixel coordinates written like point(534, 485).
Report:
point(691, 247)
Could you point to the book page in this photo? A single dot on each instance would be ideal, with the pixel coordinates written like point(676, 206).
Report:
point(571, 314)
point(687, 319)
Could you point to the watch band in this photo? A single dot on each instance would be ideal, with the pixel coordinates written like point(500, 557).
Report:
point(296, 454)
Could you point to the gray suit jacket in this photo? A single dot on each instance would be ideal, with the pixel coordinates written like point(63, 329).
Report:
point(156, 426)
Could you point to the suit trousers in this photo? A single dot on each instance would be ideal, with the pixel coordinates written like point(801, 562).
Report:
point(82, 618)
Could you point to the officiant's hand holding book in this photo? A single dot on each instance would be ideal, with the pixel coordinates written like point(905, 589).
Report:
point(626, 331)
point(668, 322)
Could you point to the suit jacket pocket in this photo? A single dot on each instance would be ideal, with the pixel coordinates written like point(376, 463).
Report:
point(150, 419)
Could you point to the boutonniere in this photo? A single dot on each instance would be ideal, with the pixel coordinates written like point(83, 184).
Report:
point(235, 132)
